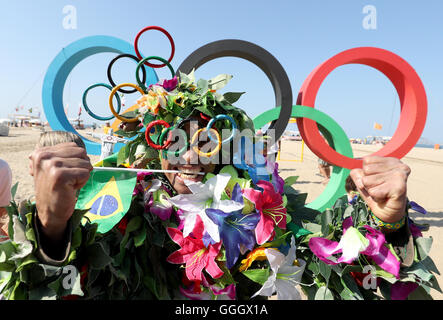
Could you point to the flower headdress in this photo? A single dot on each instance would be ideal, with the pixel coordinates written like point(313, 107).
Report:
point(172, 102)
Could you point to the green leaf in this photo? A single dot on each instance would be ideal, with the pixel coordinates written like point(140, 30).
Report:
point(148, 118)
point(257, 275)
point(186, 111)
point(230, 170)
point(232, 97)
point(326, 219)
point(423, 246)
point(149, 282)
point(206, 110)
point(127, 134)
point(349, 283)
point(420, 271)
point(325, 270)
point(419, 294)
point(6, 250)
point(98, 258)
point(277, 241)
point(219, 81)
point(130, 114)
point(291, 180)
point(430, 265)
point(19, 291)
point(14, 190)
point(139, 239)
point(203, 85)
point(122, 155)
point(324, 294)
point(227, 278)
point(134, 224)
point(297, 230)
point(313, 227)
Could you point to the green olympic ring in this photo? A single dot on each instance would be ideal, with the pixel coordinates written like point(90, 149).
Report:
point(140, 64)
point(335, 136)
point(165, 152)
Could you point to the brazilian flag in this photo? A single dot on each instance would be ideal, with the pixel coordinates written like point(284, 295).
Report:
point(107, 195)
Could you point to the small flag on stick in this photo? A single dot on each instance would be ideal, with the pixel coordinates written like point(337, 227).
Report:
point(377, 126)
point(108, 196)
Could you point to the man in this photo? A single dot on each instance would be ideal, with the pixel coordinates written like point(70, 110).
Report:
point(191, 231)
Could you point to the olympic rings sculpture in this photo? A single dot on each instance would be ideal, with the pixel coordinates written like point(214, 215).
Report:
point(406, 81)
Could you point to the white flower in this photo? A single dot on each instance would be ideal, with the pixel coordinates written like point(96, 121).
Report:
point(285, 275)
point(204, 195)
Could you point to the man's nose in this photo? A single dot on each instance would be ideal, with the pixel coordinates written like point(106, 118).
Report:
point(190, 156)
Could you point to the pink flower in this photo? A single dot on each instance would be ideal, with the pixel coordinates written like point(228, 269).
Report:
point(352, 244)
point(170, 85)
point(269, 204)
point(194, 253)
point(193, 293)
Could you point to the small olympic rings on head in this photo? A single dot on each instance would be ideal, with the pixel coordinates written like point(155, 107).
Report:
point(85, 104)
point(125, 55)
point(222, 117)
point(140, 64)
point(148, 138)
point(171, 41)
point(111, 104)
point(195, 145)
point(166, 151)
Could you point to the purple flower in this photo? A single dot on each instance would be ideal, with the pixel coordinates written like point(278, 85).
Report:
point(401, 290)
point(170, 85)
point(163, 212)
point(415, 230)
point(277, 181)
point(416, 207)
point(235, 228)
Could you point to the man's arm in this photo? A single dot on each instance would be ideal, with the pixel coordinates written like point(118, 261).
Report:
point(58, 171)
point(382, 183)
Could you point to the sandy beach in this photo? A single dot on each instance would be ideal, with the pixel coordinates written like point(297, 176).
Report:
point(424, 186)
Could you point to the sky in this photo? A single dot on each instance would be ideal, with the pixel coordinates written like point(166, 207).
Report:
point(299, 34)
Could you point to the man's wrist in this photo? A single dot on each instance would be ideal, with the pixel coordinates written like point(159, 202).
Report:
point(53, 229)
point(391, 226)
point(53, 242)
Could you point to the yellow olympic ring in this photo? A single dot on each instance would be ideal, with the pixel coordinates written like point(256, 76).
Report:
point(111, 104)
point(206, 154)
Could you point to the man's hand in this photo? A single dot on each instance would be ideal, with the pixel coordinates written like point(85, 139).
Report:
point(382, 183)
point(129, 126)
point(58, 171)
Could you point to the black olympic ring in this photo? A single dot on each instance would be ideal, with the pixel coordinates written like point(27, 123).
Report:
point(258, 56)
point(111, 81)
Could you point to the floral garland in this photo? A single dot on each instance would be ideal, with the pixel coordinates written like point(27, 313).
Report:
point(243, 233)
point(230, 239)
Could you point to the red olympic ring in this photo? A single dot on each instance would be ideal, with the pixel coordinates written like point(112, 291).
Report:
point(148, 138)
point(407, 83)
point(166, 33)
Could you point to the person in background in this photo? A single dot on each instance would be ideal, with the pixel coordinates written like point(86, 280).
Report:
point(5, 197)
point(325, 170)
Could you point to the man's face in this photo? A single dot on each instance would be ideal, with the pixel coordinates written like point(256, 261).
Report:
point(189, 163)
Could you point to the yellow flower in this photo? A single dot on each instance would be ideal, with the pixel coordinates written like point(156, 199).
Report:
point(256, 254)
point(179, 99)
